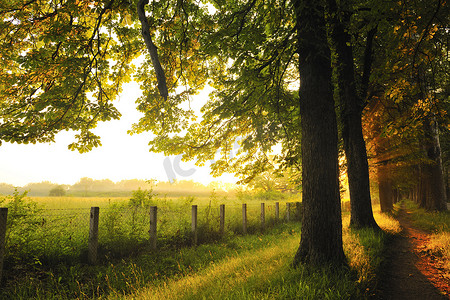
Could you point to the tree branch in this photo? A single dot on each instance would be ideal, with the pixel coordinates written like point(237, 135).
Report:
point(160, 76)
point(367, 63)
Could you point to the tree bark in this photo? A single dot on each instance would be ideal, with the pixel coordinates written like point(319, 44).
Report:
point(152, 49)
point(385, 189)
point(422, 187)
point(435, 198)
point(351, 106)
point(321, 236)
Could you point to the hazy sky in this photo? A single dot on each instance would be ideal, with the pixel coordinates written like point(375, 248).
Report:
point(121, 157)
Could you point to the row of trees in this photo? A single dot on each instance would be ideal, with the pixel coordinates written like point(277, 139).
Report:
point(92, 187)
point(295, 73)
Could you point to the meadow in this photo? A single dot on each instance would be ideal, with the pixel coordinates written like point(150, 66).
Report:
point(46, 255)
point(48, 235)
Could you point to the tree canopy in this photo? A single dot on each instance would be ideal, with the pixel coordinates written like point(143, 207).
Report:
point(271, 63)
point(64, 62)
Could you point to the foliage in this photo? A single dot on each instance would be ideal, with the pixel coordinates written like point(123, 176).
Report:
point(247, 51)
point(282, 181)
point(56, 245)
point(58, 191)
point(262, 261)
point(23, 220)
point(409, 81)
point(6, 189)
point(142, 198)
point(63, 62)
point(436, 222)
point(250, 54)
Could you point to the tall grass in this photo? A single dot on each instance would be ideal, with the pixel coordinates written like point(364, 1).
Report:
point(430, 221)
point(438, 224)
point(229, 266)
point(264, 270)
point(48, 243)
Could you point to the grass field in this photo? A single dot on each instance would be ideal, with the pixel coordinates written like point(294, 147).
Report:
point(46, 253)
point(263, 270)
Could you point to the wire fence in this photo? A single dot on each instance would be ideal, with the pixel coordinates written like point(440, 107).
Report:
point(53, 236)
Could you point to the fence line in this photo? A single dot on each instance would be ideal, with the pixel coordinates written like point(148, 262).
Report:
point(93, 235)
point(3, 219)
point(153, 226)
point(244, 218)
point(194, 225)
point(110, 218)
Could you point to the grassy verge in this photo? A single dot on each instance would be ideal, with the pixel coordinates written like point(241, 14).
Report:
point(236, 267)
point(428, 221)
point(263, 270)
point(438, 224)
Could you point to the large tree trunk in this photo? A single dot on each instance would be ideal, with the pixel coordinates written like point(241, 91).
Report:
point(351, 107)
point(321, 237)
point(435, 198)
point(422, 187)
point(385, 189)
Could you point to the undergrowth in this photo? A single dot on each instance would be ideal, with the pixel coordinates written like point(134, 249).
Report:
point(227, 266)
point(438, 225)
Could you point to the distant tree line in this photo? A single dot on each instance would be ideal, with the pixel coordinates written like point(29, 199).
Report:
point(87, 187)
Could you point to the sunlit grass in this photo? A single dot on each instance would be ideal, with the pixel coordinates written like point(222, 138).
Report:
point(234, 266)
point(387, 222)
point(440, 246)
point(261, 272)
point(68, 202)
point(438, 224)
point(429, 221)
point(265, 272)
point(232, 273)
point(71, 202)
point(364, 247)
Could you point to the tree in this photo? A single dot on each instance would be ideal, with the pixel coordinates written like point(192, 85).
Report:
point(253, 52)
point(351, 106)
point(6, 189)
point(39, 189)
point(269, 62)
point(84, 185)
point(55, 54)
point(250, 52)
point(408, 98)
point(286, 181)
point(321, 236)
point(58, 191)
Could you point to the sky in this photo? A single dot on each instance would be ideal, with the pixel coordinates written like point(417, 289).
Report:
point(121, 156)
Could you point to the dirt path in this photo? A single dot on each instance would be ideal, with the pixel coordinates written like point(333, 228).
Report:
point(410, 273)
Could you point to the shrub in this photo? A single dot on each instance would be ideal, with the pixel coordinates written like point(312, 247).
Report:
point(57, 191)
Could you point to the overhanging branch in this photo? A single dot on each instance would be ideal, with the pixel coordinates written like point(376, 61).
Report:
point(160, 76)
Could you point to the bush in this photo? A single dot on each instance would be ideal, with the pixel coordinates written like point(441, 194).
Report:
point(142, 198)
point(23, 222)
point(57, 191)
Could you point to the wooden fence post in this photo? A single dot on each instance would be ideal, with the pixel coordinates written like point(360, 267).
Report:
point(263, 217)
point(244, 218)
point(194, 225)
point(3, 220)
point(298, 211)
point(153, 226)
point(93, 236)
point(277, 211)
point(222, 218)
point(288, 211)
